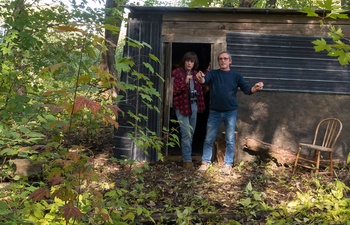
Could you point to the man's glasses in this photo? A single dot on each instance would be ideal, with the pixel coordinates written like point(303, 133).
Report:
point(223, 58)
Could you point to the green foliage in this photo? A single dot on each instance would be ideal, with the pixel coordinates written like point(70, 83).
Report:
point(72, 194)
point(283, 4)
point(253, 201)
point(326, 202)
point(55, 101)
point(339, 46)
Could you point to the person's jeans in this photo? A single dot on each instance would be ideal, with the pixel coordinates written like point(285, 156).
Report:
point(213, 125)
point(187, 127)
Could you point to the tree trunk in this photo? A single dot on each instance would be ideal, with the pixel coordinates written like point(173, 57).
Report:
point(246, 3)
point(271, 4)
point(114, 16)
point(269, 151)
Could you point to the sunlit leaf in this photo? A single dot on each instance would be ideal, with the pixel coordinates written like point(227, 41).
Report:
point(326, 4)
point(38, 210)
point(69, 29)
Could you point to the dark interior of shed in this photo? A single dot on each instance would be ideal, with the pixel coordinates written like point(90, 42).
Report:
point(203, 53)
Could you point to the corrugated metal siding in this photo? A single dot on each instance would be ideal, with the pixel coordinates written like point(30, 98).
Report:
point(287, 63)
point(143, 28)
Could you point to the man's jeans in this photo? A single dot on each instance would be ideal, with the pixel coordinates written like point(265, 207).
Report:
point(187, 127)
point(213, 125)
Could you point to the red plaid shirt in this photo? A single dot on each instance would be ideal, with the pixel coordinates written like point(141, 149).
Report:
point(181, 92)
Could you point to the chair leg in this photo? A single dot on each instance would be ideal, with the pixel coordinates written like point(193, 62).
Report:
point(331, 164)
point(318, 153)
point(296, 160)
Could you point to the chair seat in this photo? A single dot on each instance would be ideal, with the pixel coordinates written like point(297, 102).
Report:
point(317, 147)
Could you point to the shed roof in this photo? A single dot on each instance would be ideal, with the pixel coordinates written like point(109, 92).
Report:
point(228, 10)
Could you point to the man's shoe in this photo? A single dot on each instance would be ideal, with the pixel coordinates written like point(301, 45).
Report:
point(226, 169)
point(204, 167)
point(187, 164)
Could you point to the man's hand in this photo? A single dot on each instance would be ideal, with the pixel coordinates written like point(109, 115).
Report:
point(200, 76)
point(257, 87)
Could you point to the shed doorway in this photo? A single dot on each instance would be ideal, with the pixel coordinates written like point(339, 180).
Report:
point(203, 52)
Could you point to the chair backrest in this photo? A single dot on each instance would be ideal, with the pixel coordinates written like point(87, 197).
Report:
point(327, 132)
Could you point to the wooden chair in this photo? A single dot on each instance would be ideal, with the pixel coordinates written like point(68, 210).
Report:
point(326, 135)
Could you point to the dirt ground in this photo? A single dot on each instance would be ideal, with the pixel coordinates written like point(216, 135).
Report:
point(174, 186)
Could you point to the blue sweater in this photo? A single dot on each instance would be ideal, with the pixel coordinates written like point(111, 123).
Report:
point(223, 89)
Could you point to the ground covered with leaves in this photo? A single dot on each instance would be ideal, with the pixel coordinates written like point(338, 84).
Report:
point(255, 193)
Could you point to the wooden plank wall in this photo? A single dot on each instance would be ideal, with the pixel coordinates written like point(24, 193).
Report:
point(199, 28)
point(212, 27)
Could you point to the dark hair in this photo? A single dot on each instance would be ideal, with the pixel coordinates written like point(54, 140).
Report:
point(190, 56)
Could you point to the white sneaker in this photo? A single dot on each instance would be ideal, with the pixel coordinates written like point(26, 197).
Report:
point(204, 167)
point(226, 169)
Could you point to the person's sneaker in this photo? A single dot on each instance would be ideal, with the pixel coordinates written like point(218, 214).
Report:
point(226, 169)
point(204, 167)
point(187, 164)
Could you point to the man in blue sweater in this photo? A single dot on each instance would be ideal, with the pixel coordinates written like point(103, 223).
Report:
point(224, 84)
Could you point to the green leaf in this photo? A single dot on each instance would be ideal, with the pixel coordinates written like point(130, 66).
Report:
point(344, 58)
point(310, 12)
point(249, 187)
point(146, 97)
point(17, 177)
point(335, 52)
point(38, 211)
point(139, 210)
point(111, 193)
point(24, 130)
point(199, 3)
point(111, 27)
point(153, 57)
point(257, 196)
point(4, 209)
point(336, 34)
point(129, 216)
point(326, 4)
point(149, 66)
point(6, 50)
point(9, 151)
point(246, 202)
point(321, 45)
point(337, 15)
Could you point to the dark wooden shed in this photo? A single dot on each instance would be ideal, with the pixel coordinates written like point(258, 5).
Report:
point(270, 45)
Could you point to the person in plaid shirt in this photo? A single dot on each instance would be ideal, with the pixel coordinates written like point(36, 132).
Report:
point(188, 100)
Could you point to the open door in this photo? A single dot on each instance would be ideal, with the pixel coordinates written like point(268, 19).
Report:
point(173, 56)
